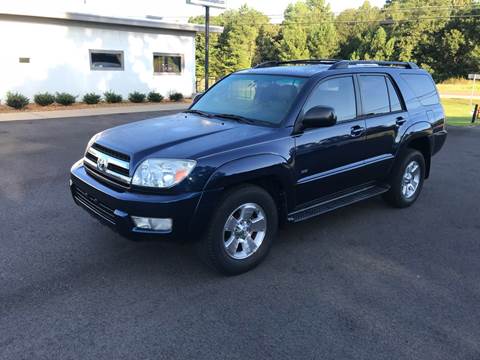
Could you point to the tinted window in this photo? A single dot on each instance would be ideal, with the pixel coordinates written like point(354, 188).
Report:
point(395, 104)
point(265, 98)
point(167, 63)
point(338, 93)
point(106, 60)
point(423, 87)
point(374, 95)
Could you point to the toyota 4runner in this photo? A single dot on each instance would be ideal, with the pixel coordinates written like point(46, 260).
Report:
point(282, 142)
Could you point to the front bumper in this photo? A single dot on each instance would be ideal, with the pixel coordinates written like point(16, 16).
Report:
point(115, 208)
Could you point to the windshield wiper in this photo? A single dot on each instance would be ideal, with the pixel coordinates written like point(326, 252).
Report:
point(236, 117)
point(199, 112)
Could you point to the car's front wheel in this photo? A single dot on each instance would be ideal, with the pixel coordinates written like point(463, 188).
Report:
point(241, 231)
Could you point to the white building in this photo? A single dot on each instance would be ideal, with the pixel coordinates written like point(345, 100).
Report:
point(81, 53)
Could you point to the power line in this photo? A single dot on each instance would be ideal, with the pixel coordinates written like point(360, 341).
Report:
point(372, 9)
point(380, 21)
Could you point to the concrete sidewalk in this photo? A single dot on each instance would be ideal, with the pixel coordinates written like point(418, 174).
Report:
point(36, 115)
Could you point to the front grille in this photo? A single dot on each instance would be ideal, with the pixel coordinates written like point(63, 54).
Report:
point(111, 152)
point(117, 185)
point(93, 205)
point(108, 166)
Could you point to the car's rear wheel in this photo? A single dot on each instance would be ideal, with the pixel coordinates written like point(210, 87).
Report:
point(406, 180)
point(241, 231)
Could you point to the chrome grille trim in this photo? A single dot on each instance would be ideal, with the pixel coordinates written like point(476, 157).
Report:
point(117, 176)
point(117, 170)
point(106, 179)
point(111, 160)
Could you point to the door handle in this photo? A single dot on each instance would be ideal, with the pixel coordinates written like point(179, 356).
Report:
point(357, 131)
point(400, 120)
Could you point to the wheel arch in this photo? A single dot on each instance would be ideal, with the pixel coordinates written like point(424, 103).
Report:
point(271, 172)
point(419, 137)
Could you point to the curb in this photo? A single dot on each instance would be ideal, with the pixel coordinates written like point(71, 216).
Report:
point(38, 115)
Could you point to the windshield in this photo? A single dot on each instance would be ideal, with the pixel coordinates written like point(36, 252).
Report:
point(260, 98)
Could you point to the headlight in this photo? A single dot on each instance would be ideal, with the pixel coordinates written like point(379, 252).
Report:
point(162, 173)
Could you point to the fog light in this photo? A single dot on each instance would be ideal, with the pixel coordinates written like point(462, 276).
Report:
point(152, 223)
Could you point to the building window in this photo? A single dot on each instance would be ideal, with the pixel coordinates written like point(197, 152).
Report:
point(24, 60)
point(167, 63)
point(106, 60)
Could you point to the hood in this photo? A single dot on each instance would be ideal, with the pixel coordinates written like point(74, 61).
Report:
point(181, 136)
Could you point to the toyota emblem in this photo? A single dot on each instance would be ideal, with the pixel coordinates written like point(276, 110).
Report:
point(102, 163)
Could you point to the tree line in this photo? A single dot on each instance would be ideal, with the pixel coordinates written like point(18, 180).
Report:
point(442, 36)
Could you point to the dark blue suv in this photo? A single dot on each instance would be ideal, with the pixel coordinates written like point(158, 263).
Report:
point(282, 142)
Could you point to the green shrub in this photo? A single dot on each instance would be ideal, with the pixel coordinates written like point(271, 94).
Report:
point(112, 98)
point(91, 98)
point(65, 99)
point(17, 100)
point(44, 99)
point(136, 97)
point(155, 97)
point(176, 96)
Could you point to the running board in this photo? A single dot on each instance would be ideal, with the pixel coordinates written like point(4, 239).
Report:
point(336, 203)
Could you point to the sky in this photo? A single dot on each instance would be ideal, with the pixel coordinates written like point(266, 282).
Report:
point(170, 10)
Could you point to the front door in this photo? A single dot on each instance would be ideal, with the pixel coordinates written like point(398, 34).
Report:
point(330, 159)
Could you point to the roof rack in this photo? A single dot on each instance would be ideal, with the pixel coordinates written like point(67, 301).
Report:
point(343, 64)
point(297, 62)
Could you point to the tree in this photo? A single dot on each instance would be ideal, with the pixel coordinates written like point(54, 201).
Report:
point(455, 49)
point(200, 48)
point(267, 48)
point(308, 31)
point(237, 45)
point(322, 41)
point(415, 24)
point(375, 46)
point(354, 26)
point(293, 36)
point(442, 36)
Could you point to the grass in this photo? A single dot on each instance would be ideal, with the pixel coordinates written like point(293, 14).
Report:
point(458, 112)
point(459, 87)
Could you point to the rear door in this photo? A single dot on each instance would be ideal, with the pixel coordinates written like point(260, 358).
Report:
point(384, 112)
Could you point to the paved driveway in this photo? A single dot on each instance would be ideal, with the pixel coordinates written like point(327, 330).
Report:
point(364, 282)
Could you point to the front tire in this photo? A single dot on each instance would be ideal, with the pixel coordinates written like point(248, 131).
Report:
point(406, 180)
point(241, 231)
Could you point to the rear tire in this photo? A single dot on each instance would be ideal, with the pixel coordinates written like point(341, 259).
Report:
point(241, 231)
point(406, 180)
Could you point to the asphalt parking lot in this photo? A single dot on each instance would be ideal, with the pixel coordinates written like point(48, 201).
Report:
point(364, 282)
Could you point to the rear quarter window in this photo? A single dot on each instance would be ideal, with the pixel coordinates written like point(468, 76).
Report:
point(423, 87)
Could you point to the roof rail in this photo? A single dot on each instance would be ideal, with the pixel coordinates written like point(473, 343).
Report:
point(297, 62)
point(343, 64)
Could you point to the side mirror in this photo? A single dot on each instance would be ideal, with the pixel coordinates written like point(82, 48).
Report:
point(197, 97)
point(319, 116)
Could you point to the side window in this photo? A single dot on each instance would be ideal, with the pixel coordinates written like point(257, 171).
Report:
point(106, 60)
point(423, 87)
point(395, 103)
point(166, 63)
point(338, 93)
point(373, 89)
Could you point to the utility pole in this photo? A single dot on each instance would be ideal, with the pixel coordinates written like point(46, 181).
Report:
point(207, 44)
point(218, 4)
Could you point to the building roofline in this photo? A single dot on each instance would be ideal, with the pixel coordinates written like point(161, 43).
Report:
point(110, 20)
